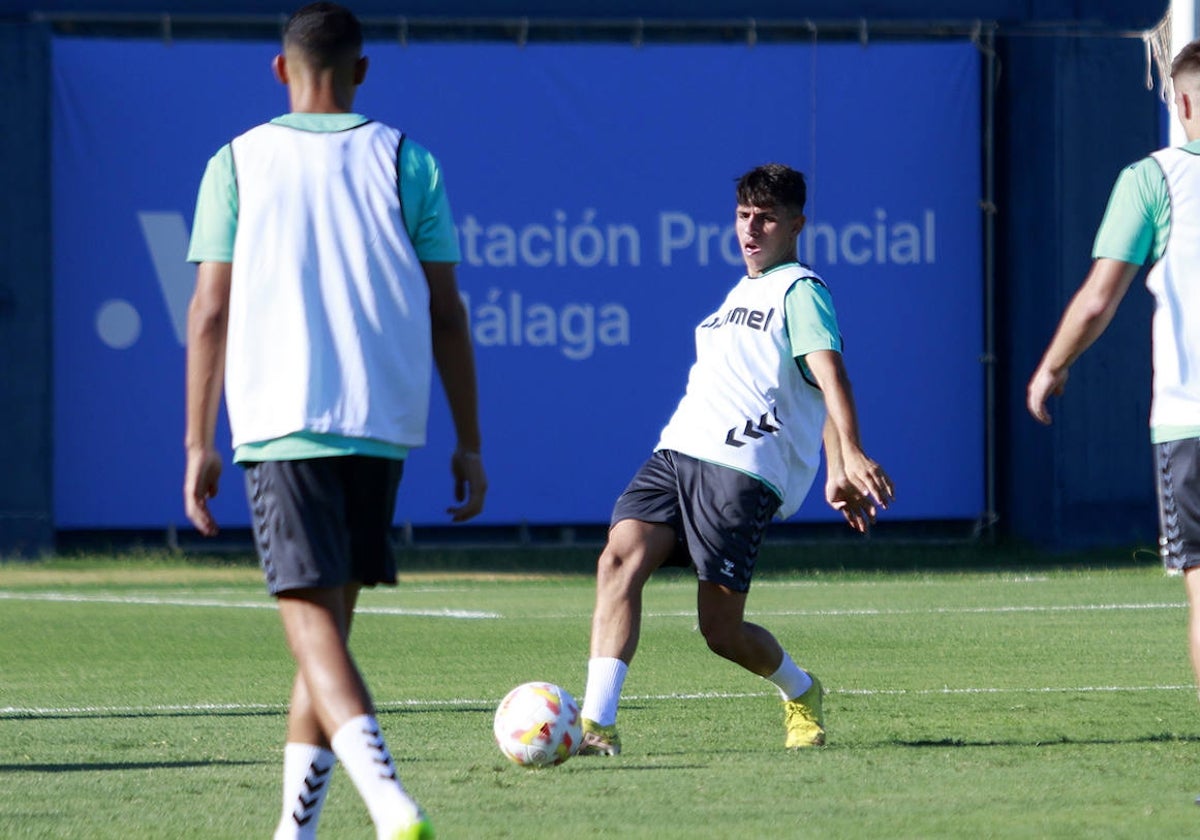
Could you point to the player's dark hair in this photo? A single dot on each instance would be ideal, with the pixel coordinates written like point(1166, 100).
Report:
point(773, 185)
point(325, 32)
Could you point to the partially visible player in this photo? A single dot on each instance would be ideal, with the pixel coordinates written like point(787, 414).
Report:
point(767, 388)
point(325, 294)
point(1153, 214)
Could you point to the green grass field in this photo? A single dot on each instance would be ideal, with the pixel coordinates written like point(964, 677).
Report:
point(144, 698)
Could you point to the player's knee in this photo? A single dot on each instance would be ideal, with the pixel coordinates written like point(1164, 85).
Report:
point(622, 564)
point(609, 565)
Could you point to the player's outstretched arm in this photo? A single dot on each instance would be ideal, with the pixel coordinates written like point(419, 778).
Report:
point(840, 493)
point(208, 321)
point(855, 484)
point(1085, 319)
point(455, 360)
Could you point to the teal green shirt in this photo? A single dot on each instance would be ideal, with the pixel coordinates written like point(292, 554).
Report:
point(1134, 229)
point(809, 318)
point(1138, 217)
point(427, 219)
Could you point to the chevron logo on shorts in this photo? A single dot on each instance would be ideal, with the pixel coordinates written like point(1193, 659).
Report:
point(740, 436)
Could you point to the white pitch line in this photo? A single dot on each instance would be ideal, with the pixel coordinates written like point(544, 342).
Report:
point(143, 600)
point(1086, 689)
point(771, 583)
point(63, 597)
point(852, 613)
point(895, 692)
point(474, 615)
point(66, 711)
point(489, 702)
point(945, 610)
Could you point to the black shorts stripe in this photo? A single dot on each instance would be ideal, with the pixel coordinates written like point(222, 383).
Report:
point(1178, 480)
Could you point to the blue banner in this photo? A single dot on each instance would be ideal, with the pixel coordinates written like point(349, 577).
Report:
point(592, 186)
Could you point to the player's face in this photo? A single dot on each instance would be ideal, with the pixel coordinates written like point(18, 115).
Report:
point(767, 236)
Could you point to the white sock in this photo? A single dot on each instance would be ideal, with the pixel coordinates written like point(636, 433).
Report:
point(307, 770)
point(790, 679)
point(606, 678)
point(360, 747)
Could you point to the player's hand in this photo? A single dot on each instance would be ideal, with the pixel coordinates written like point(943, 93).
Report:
point(858, 490)
point(854, 506)
point(202, 475)
point(868, 478)
point(470, 484)
point(1043, 385)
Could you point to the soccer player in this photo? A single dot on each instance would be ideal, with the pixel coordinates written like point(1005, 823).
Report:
point(325, 295)
point(1153, 213)
point(767, 389)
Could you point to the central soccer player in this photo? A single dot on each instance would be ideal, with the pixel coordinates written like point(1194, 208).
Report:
point(768, 388)
point(325, 297)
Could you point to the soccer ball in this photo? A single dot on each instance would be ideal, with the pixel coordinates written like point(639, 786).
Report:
point(538, 724)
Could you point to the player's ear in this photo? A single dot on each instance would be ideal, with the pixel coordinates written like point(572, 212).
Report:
point(360, 70)
point(798, 224)
point(279, 68)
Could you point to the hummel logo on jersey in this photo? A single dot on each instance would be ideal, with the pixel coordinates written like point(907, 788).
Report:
point(755, 319)
point(727, 568)
point(738, 435)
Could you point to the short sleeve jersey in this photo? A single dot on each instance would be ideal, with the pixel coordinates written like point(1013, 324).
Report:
point(810, 320)
point(428, 222)
point(750, 367)
point(1138, 217)
point(427, 215)
point(1135, 229)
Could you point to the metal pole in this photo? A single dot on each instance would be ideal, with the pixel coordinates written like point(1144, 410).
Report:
point(1183, 31)
point(988, 45)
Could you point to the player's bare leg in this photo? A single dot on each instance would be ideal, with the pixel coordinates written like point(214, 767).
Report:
point(316, 624)
point(1191, 582)
point(633, 551)
point(335, 702)
point(308, 758)
point(723, 624)
point(303, 725)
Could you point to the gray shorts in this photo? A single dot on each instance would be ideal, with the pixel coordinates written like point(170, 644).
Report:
point(1178, 472)
point(324, 522)
point(719, 514)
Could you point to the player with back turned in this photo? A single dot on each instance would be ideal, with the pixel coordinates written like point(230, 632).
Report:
point(325, 295)
point(1153, 214)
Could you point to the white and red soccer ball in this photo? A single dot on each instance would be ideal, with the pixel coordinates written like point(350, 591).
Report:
point(538, 724)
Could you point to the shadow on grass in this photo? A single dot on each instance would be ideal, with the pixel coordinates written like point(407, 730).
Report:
point(281, 711)
point(88, 767)
point(591, 766)
point(1162, 738)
